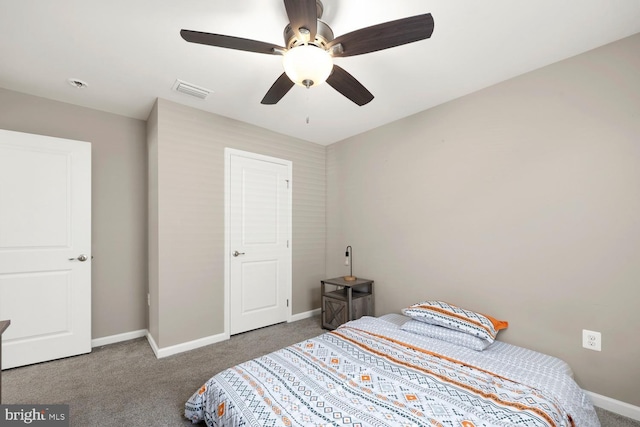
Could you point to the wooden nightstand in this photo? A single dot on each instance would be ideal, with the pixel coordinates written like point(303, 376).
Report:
point(350, 301)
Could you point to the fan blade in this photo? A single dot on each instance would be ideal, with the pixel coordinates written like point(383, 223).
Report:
point(384, 36)
point(229, 42)
point(347, 85)
point(302, 14)
point(277, 90)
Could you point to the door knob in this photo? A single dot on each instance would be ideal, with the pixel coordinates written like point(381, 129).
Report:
point(236, 253)
point(81, 257)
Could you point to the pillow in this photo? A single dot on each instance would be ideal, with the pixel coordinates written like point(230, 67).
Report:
point(445, 334)
point(456, 318)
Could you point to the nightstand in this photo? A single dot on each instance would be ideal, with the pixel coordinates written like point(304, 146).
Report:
point(350, 301)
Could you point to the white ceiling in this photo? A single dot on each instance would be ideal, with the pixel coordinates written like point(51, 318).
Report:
point(130, 52)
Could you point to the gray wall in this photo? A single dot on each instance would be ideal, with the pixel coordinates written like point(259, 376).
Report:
point(187, 217)
point(119, 201)
point(521, 201)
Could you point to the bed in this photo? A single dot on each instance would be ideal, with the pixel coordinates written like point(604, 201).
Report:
point(372, 372)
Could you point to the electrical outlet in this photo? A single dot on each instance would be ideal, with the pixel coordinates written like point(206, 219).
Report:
point(592, 340)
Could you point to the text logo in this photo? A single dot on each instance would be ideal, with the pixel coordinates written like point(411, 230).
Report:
point(34, 415)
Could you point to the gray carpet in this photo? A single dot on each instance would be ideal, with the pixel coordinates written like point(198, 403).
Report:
point(125, 385)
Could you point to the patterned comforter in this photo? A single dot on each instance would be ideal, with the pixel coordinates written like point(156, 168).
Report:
point(370, 373)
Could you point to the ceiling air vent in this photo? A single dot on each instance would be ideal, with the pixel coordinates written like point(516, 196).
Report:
point(190, 89)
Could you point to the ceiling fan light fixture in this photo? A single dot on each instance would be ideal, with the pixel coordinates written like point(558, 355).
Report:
point(307, 65)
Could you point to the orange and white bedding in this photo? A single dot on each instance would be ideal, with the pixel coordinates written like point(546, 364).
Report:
point(369, 372)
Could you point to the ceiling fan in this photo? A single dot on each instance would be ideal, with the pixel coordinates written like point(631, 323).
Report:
point(310, 48)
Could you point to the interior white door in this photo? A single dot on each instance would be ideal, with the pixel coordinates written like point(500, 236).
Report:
point(45, 247)
point(259, 240)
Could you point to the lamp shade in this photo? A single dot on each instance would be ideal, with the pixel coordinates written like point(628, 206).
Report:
point(307, 65)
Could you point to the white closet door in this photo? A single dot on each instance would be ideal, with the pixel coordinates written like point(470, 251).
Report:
point(45, 247)
point(259, 242)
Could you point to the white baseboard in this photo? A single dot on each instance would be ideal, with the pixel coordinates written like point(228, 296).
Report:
point(153, 344)
point(192, 345)
point(305, 315)
point(621, 408)
point(179, 348)
point(112, 339)
point(185, 346)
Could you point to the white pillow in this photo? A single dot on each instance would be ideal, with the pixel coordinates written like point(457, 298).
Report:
point(453, 317)
point(445, 334)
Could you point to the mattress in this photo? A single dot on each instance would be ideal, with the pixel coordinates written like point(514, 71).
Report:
point(369, 372)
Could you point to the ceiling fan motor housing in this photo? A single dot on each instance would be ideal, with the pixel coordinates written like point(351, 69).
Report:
point(323, 36)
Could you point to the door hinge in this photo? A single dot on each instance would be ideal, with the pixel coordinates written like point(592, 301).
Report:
point(287, 302)
point(287, 183)
point(287, 244)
